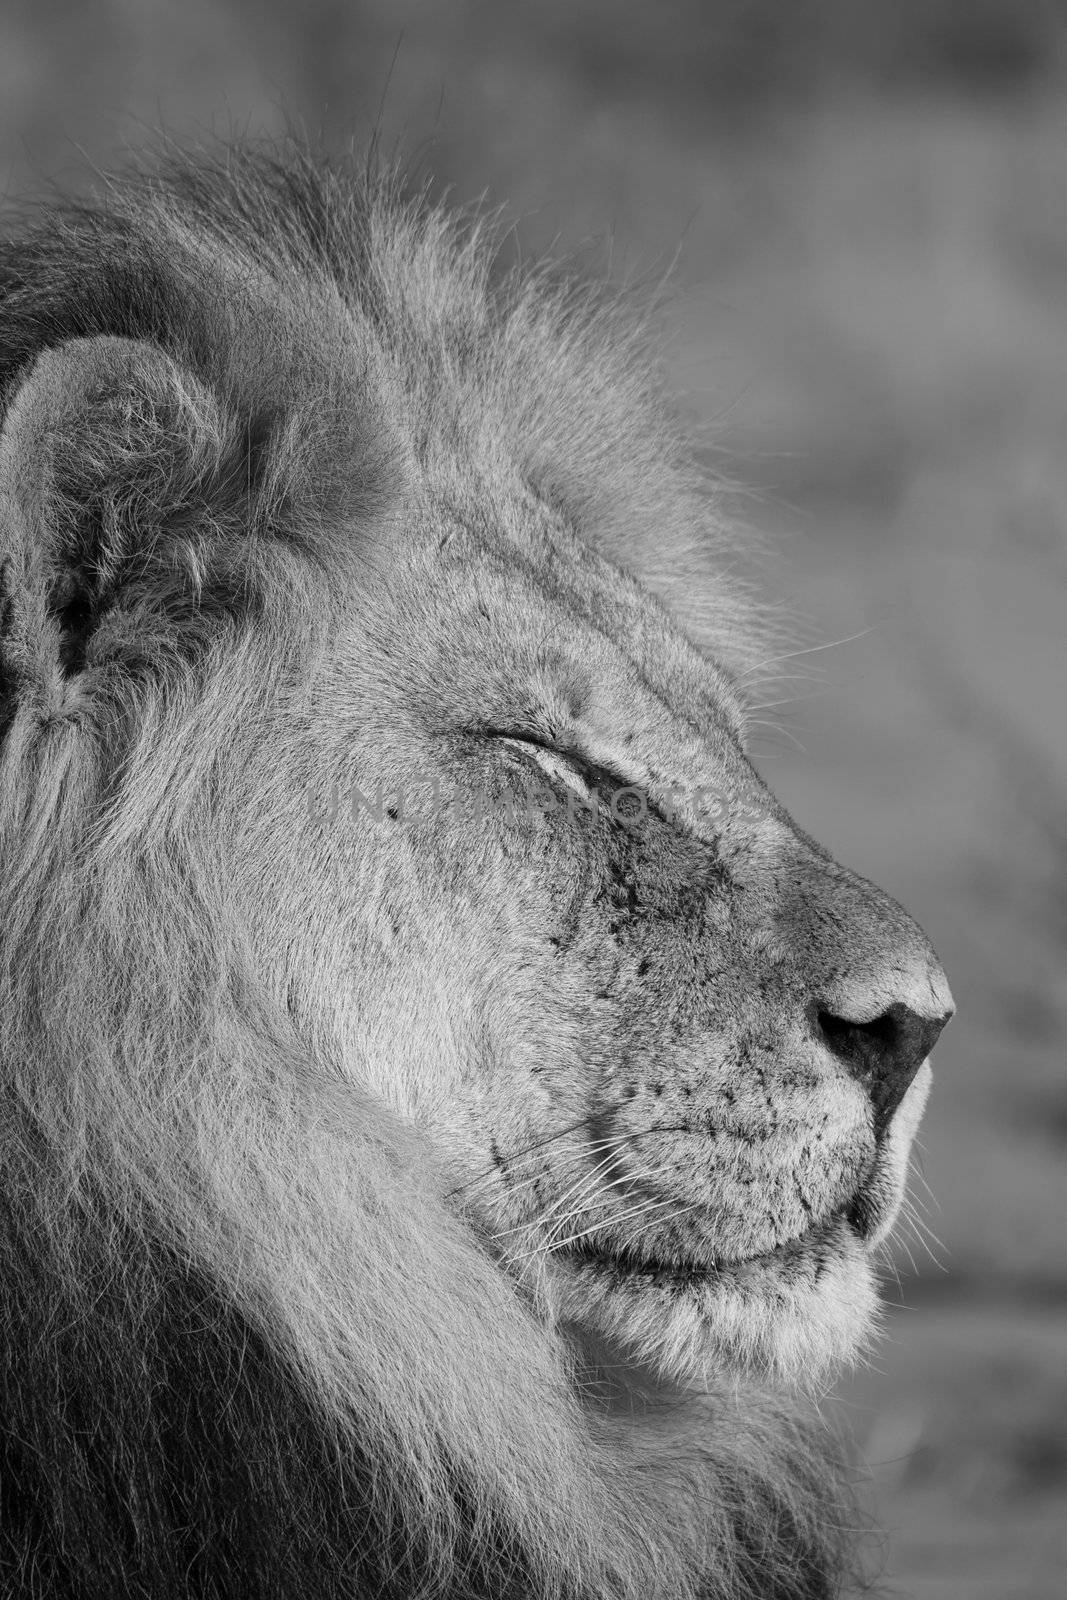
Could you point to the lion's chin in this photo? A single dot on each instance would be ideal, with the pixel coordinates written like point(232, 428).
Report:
point(791, 1316)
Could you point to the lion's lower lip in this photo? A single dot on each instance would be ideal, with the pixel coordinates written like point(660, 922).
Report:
point(629, 1266)
point(625, 1264)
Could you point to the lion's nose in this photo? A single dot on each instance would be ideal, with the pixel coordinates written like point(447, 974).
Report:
point(884, 1054)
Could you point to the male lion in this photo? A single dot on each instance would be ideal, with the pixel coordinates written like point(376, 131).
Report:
point(444, 1094)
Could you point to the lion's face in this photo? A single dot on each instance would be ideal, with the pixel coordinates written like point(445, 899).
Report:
point(673, 1054)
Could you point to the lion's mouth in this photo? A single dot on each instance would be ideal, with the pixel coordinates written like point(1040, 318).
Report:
point(862, 1216)
point(628, 1264)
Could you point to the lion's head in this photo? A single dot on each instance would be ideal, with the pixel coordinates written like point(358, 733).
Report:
point(406, 972)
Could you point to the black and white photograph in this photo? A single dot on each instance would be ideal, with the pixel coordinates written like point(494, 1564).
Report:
point(533, 800)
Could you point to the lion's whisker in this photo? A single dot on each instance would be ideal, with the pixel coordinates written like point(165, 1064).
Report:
point(581, 1183)
point(612, 1222)
point(907, 1251)
point(574, 1213)
point(555, 1242)
point(639, 1233)
point(572, 1199)
point(527, 1152)
point(810, 650)
point(583, 1206)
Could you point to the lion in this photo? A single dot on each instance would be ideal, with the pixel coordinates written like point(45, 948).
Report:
point(450, 1110)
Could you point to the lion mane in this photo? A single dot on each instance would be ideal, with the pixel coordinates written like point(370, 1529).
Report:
point(251, 1344)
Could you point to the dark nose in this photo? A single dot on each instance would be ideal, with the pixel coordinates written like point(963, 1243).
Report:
point(884, 1054)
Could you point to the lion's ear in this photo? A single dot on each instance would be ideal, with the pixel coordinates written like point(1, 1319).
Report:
point(115, 464)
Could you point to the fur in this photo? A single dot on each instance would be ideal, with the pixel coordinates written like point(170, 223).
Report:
point(260, 1334)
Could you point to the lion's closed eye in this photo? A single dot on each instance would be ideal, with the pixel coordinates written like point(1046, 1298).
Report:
point(599, 788)
point(562, 767)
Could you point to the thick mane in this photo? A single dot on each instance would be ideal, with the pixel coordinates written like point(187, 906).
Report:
point(559, 375)
point(247, 1347)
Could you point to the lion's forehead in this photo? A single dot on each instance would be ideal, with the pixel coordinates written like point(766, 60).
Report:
point(524, 610)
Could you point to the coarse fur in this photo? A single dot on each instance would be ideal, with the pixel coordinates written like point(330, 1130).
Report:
point(423, 1167)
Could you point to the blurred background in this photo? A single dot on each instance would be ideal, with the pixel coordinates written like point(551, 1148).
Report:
point(862, 209)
